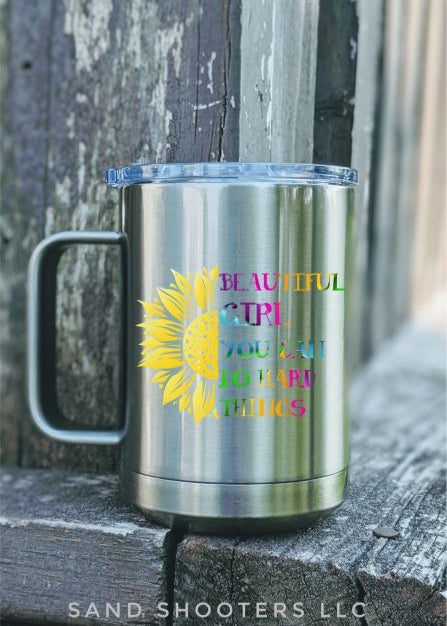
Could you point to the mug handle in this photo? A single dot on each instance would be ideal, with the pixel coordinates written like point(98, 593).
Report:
point(41, 362)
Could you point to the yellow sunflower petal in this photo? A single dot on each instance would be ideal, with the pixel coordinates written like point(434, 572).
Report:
point(162, 358)
point(161, 376)
point(184, 401)
point(200, 291)
point(214, 273)
point(165, 330)
point(203, 400)
point(182, 284)
point(150, 343)
point(174, 302)
point(177, 385)
point(153, 309)
point(146, 325)
point(204, 291)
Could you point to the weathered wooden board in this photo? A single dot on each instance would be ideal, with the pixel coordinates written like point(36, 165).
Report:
point(429, 250)
point(90, 85)
point(70, 538)
point(335, 81)
point(24, 147)
point(405, 41)
point(364, 145)
point(277, 89)
point(397, 479)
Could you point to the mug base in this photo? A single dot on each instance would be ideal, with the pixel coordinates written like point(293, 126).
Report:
point(234, 508)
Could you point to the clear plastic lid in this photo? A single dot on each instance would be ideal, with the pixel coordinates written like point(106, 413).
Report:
point(297, 173)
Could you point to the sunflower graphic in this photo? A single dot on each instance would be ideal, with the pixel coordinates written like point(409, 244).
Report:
point(181, 342)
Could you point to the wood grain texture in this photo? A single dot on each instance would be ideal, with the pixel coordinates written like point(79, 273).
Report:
point(397, 479)
point(70, 538)
point(429, 250)
point(335, 81)
point(277, 92)
point(23, 176)
point(364, 154)
point(405, 41)
point(92, 85)
point(202, 103)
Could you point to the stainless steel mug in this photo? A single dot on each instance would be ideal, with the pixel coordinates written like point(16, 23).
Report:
point(236, 280)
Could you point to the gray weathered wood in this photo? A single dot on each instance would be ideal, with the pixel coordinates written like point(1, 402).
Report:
point(364, 135)
point(70, 538)
point(335, 81)
point(397, 165)
point(277, 90)
point(397, 469)
point(24, 146)
point(91, 85)
point(429, 250)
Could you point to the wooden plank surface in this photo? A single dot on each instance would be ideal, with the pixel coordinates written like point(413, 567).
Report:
point(335, 82)
point(405, 44)
point(93, 85)
point(277, 89)
point(70, 538)
point(364, 146)
point(428, 288)
point(397, 479)
point(24, 149)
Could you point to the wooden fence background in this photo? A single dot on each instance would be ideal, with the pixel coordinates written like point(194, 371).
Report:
point(89, 84)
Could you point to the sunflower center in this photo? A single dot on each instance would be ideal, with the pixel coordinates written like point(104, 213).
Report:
point(200, 345)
